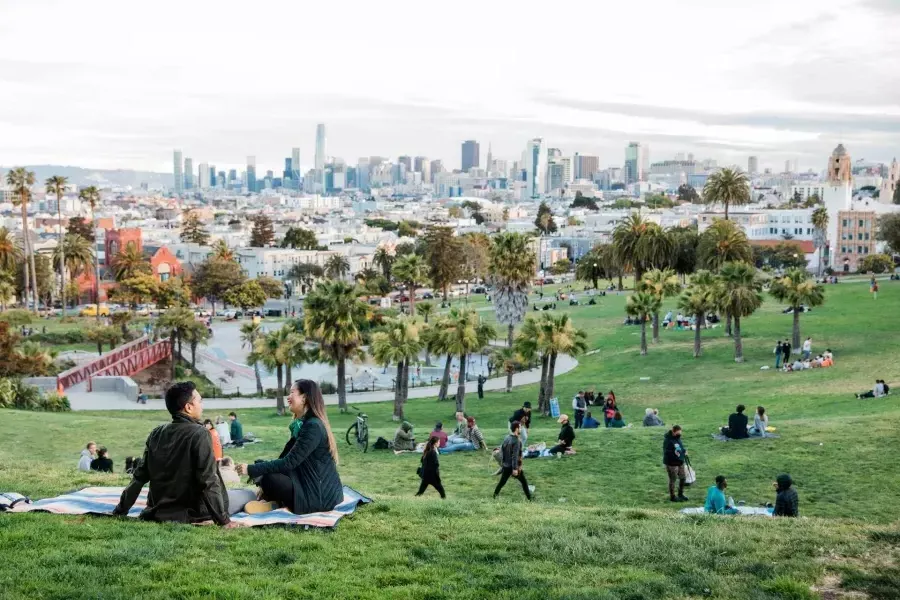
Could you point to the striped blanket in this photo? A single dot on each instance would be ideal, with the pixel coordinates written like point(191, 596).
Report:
point(102, 501)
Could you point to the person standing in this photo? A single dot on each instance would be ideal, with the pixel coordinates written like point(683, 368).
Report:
point(579, 406)
point(787, 504)
point(481, 380)
point(874, 289)
point(786, 351)
point(523, 416)
point(566, 436)
point(778, 354)
point(429, 471)
point(807, 348)
point(511, 461)
point(674, 454)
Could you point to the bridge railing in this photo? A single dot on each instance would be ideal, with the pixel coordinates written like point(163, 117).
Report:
point(76, 375)
point(135, 362)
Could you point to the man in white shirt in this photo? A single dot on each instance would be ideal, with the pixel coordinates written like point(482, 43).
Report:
point(807, 348)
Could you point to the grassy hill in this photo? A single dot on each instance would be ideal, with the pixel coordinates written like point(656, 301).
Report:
point(601, 525)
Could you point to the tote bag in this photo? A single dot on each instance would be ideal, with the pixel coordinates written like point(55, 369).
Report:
point(690, 476)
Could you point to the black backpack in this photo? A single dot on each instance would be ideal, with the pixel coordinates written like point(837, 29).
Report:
point(381, 444)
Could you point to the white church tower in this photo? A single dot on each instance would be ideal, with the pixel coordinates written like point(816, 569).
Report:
point(838, 194)
point(890, 183)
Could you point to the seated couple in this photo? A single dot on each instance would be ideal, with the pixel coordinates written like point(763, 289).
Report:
point(738, 429)
point(187, 487)
point(466, 436)
point(881, 389)
point(786, 499)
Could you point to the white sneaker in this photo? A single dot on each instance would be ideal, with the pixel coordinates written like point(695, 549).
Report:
point(531, 489)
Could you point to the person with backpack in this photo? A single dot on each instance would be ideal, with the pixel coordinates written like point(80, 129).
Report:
point(429, 470)
point(674, 455)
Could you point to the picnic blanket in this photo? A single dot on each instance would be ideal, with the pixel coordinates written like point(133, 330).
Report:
point(723, 438)
point(744, 511)
point(102, 501)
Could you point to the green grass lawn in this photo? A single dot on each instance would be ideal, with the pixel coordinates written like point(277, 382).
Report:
point(601, 525)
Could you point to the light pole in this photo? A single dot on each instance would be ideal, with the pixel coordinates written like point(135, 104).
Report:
point(594, 273)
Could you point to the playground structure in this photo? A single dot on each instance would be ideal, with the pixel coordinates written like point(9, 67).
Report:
point(126, 360)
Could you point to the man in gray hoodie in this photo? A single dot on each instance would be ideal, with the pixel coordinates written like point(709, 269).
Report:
point(87, 455)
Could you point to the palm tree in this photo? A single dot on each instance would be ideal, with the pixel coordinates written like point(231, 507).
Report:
point(723, 242)
point(561, 338)
point(643, 245)
point(39, 357)
point(530, 343)
point(626, 237)
point(796, 289)
point(384, 260)
point(642, 305)
point(366, 275)
point(56, 185)
point(412, 271)
point(10, 253)
point(662, 284)
point(335, 317)
point(91, 196)
point(729, 187)
point(176, 321)
point(512, 267)
point(293, 348)
point(269, 352)
point(129, 262)
point(7, 289)
point(195, 334)
point(820, 223)
point(250, 332)
point(741, 296)
point(399, 344)
point(656, 248)
point(436, 343)
point(75, 255)
point(599, 263)
point(337, 266)
point(21, 180)
point(698, 299)
point(465, 333)
point(426, 310)
point(221, 250)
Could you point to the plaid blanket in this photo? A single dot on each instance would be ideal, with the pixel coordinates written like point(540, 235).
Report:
point(102, 501)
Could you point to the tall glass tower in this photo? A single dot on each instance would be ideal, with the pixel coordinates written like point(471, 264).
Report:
point(177, 172)
point(320, 159)
point(251, 173)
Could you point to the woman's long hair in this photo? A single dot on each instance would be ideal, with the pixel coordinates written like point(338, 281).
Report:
point(429, 446)
point(316, 405)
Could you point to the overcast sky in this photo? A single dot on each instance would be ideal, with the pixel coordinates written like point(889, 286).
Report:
point(113, 84)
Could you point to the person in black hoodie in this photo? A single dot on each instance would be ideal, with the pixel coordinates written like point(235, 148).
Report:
point(787, 504)
point(523, 417)
point(566, 436)
point(737, 424)
point(511, 461)
point(786, 351)
point(430, 469)
point(674, 454)
point(304, 478)
point(103, 462)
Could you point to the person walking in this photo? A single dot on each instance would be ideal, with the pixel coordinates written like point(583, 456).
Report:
point(511, 461)
point(579, 407)
point(674, 454)
point(807, 348)
point(874, 289)
point(429, 471)
point(778, 354)
point(481, 380)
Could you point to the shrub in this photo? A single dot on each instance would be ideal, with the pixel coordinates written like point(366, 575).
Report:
point(53, 402)
point(15, 394)
point(74, 336)
point(16, 317)
point(326, 387)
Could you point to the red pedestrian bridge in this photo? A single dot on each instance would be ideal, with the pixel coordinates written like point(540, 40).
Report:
point(126, 360)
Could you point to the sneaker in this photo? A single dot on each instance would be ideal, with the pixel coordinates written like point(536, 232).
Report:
point(498, 471)
point(255, 507)
point(673, 499)
point(682, 498)
point(531, 489)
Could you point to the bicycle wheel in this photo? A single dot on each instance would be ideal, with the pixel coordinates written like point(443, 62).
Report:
point(353, 428)
point(362, 441)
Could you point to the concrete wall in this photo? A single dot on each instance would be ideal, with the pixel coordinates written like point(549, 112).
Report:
point(121, 385)
point(45, 384)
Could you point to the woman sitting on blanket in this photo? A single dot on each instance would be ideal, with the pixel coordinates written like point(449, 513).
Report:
point(304, 478)
point(760, 422)
point(618, 420)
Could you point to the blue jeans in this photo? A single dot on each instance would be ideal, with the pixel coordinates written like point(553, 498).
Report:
point(456, 447)
point(778, 360)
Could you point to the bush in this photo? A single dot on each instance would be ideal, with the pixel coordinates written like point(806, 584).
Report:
point(53, 402)
point(74, 336)
point(15, 394)
point(16, 317)
point(326, 387)
point(876, 263)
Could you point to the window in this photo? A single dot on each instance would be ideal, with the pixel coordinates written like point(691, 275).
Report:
point(786, 219)
point(846, 223)
point(866, 250)
point(859, 236)
point(862, 223)
point(859, 249)
point(843, 249)
point(798, 218)
point(867, 237)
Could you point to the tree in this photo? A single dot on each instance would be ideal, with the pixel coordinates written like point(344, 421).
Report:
point(797, 198)
point(301, 239)
point(21, 180)
point(560, 337)
point(426, 310)
point(10, 253)
point(721, 243)
point(405, 229)
point(796, 289)
point(627, 241)
point(877, 263)
point(306, 273)
point(103, 334)
point(740, 297)
point(262, 234)
point(292, 344)
point(455, 212)
point(889, 230)
point(687, 193)
point(476, 256)
point(465, 333)
point(337, 266)
point(662, 284)
point(135, 290)
point(56, 185)
point(820, 223)
point(896, 198)
point(221, 250)
point(404, 248)
point(399, 344)
point(686, 241)
point(512, 267)
point(600, 262)
point(250, 332)
point(544, 220)
point(121, 320)
point(176, 322)
point(214, 276)
point(436, 343)
point(268, 351)
point(642, 305)
point(7, 289)
point(698, 300)
point(43, 270)
point(76, 254)
point(195, 334)
point(192, 230)
point(335, 318)
point(412, 271)
point(582, 201)
point(130, 262)
point(561, 267)
point(78, 226)
point(247, 295)
point(270, 286)
point(384, 260)
point(729, 187)
point(172, 292)
point(91, 196)
point(73, 293)
point(658, 201)
point(442, 252)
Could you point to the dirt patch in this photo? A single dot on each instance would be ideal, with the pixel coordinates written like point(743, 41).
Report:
point(830, 589)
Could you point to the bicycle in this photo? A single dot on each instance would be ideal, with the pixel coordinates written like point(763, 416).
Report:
point(360, 431)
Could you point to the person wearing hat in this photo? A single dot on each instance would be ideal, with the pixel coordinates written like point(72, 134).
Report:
point(566, 436)
point(523, 416)
point(404, 438)
point(787, 504)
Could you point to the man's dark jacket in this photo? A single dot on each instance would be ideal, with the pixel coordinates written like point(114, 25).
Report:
point(185, 484)
point(737, 426)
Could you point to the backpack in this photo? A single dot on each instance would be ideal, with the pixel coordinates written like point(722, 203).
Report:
point(381, 444)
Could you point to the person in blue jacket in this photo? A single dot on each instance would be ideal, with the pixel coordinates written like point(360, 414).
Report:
point(715, 498)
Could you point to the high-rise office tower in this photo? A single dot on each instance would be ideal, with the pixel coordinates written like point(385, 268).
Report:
point(535, 161)
point(212, 176)
point(555, 174)
point(585, 166)
point(422, 166)
point(295, 164)
point(188, 174)
point(232, 176)
point(320, 159)
point(437, 167)
point(220, 180)
point(753, 165)
point(490, 160)
point(407, 161)
point(177, 172)
point(470, 156)
point(634, 163)
point(251, 174)
point(288, 170)
point(203, 176)
point(362, 173)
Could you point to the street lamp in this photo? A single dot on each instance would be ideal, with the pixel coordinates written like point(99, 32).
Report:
point(594, 273)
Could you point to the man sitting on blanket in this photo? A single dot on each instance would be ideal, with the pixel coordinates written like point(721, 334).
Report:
point(715, 498)
point(185, 484)
point(566, 436)
point(737, 424)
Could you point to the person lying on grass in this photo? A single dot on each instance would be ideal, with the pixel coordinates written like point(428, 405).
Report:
point(179, 464)
point(304, 478)
point(715, 498)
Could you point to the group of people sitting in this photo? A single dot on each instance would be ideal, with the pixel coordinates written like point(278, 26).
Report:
point(787, 503)
point(738, 427)
point(801, 364)
point(94, 458)
point(186, 483)
point(880, 390)
point(466, 436)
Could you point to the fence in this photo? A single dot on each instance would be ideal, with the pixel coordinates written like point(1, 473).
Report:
point(76, 375)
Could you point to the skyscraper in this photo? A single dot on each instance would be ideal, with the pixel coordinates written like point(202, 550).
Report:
point(251, 174)
point(188, 173)
point(320, 159)
point(585, 166)
point(470, 156)
point(203, 179)
point(212, 176)
point(421, 165)
point(753, 165)
point(535, 161)
point(177, 172)
point(362, 173)
point(634, 163)
point(490, 160)
point(288, 170)
point(437, 167)
point(220, 179)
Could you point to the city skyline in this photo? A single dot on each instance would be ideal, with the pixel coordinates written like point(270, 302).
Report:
point(783, 85)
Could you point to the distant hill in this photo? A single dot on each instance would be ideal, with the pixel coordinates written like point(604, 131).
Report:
point(99, 177)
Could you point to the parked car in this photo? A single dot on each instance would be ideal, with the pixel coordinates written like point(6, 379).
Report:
point(428, 296)
point(479, 289)
point(90, 310)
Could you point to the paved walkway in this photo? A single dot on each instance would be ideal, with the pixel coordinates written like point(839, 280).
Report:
point(97, 401)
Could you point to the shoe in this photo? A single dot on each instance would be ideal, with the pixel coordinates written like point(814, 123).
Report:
point(531, 489)
point(683, 498)
point(255, 507)
point(673, 499)
point(497, 472)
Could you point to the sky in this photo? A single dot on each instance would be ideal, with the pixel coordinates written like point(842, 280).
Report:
point(112, 84)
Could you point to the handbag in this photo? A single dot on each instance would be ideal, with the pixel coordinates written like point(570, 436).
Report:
point(419, 472)
point(689, 475)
